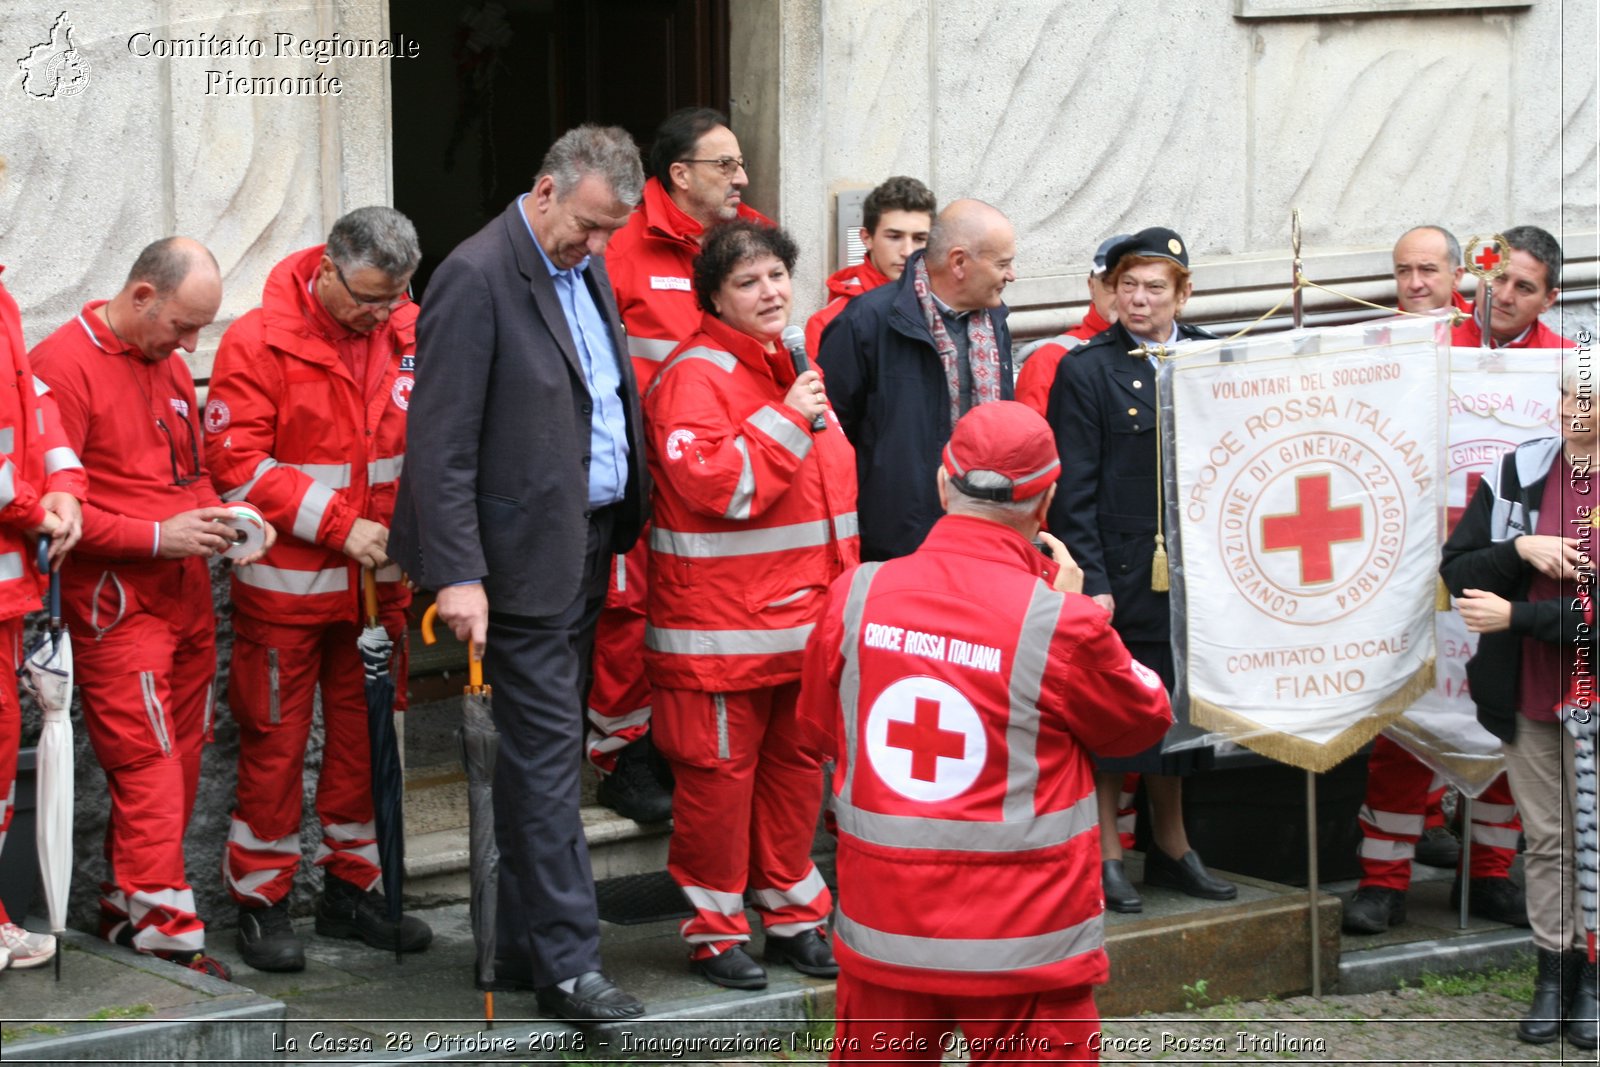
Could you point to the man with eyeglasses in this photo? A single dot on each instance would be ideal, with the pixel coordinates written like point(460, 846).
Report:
point(697, 180)
point(137, 591)
point(306, 419)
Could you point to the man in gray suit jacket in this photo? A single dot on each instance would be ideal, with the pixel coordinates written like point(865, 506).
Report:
point(525, 472)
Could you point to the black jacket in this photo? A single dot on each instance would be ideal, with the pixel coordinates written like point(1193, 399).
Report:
point(1103, 412)
point(1481, 553)
point(496, 479)
point(887, 384)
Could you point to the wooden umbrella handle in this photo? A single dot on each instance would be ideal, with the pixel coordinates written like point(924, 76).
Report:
point(369, 590)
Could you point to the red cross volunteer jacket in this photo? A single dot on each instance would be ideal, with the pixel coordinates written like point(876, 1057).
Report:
point(651, 264)
point(843, 286)
point(960, 696)
point(754, 515)
point(288, 430)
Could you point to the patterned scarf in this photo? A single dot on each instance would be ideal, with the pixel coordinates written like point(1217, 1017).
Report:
point(983, 354)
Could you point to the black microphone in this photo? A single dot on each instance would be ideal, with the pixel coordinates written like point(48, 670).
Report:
point(794, 339)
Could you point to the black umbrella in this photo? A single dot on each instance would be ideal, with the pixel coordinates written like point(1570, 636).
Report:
point(388, 780)
point(480, 746)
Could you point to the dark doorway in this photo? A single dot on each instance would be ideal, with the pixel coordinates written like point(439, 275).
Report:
point(495, 81)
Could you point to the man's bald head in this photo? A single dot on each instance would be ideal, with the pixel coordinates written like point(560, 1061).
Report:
point(173, 290)
point(970, 252)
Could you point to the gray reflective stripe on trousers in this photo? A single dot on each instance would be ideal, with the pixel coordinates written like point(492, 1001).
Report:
point(1022, 724)
point(8, 485)
point(786, 538)
point(772, 423)
point(963, 835)
point(61, 458)
point(745, 491)
point(10, 568)
point(725, 642)
point(274, 708)
point(649, 348)
point(970, 955)
point(240, 493)
point(720, 701)
point(724, 360)
point(385, 470)
point(38, 416)
point(7, 439)
point(313, 506)
point(300, 583)
point(850, 677)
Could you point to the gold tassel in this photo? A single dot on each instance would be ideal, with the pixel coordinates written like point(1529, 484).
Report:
point(1158, 567)
point(1441, 596)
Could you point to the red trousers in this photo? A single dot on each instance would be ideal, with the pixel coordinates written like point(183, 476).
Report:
point(877, 1023)
point(10, 727)
point(619, 697)
point(145, 657)
point(275, 673)
point(1393, 817)
point(744, 812)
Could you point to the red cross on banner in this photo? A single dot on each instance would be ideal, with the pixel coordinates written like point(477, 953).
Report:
point(926, 741)
point(1453, 515)
point(1313, 528)
point(1487, 258)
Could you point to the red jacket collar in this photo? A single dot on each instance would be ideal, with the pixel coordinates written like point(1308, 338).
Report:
point(294, 320)
point(99, 332)
point(853, 281)
point(965, 535)
point(666, 219)
point(749, 351)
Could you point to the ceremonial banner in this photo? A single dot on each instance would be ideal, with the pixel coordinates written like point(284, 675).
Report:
point(1304, 484)
point(1498, 399)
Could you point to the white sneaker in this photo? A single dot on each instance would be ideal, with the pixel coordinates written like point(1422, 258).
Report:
point(5, 958)
point(26, 949)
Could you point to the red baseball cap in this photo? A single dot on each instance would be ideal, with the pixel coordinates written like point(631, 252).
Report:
point(1004, 438)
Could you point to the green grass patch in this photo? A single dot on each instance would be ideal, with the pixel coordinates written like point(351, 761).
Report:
point(1514, 983)
point(17, 1033)
point(131, 1011)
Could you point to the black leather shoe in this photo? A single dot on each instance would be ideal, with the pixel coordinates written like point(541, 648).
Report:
point(1498, 899)
point(1438, 847)
point(1552, 986)
point(808, 953)
point(1187, 875)
point(632, 790)
point(267, 941)
point(732, 967)
point(1120, 894)
point(1584, 1008)
point(345, 910)
point(594, 998)
point(1373, 910)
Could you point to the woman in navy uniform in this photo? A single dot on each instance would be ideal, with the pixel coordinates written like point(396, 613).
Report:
point(1103, 411)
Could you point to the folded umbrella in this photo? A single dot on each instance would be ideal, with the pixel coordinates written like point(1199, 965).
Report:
point(46, 673)
point(388, 780)
point(480, 745)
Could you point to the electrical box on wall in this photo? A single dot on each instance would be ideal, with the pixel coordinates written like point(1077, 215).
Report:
point(848, 206)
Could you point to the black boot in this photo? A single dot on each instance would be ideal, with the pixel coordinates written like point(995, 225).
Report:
point(1585, 1004)
point(1551, 986)
point(632, 789)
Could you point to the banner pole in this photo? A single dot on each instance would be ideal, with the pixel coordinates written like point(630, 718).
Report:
point(1294, 237)
point(1313, 920)
point(1464, 871)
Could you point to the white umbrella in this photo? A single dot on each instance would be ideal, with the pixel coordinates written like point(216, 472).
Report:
point(47, 674)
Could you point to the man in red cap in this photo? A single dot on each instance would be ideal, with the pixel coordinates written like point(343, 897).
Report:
point(960, 690)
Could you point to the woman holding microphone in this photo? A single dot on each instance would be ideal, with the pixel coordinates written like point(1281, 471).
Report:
point(754, 515)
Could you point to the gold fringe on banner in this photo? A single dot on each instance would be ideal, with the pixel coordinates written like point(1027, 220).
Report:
point(1310, 755)
point(1159, 579)
point(1441, 596)
point(1480, 771)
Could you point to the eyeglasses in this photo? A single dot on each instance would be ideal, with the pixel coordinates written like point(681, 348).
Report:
point(728, 165)
point(178, 477)
point(390, 302)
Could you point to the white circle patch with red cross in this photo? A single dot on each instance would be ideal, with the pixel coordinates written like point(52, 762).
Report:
point(217, 415)
point(925, 739)
point(402, 391)
point(675, 442)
